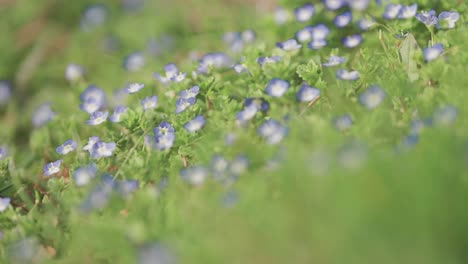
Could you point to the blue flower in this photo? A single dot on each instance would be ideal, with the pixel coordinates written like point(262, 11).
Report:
point(42, 115)
point(195, 176)
point(97, 118)
point(149, 102)
point(195, 124)
point(305, 34)
point(446, 115)
point(93, 16)
point(307, 93)
point(134, 62)
point(102, 149)
point(164, 137)
point(248, 36)
point(3, 153)
point(247, 114)
point(4, 203)
point(372, 97)
point(164, 142)
point(365, 23)
point(352, 41)
point(264, 60)
point(191, 93)
point(345, 75)
point(127, 187)
point(260, 103)
point(408, 11)
point(277, 87)
point(239, 165)
point(344, 19)
point(432, 53)
point(216, 60)
point(281, 16)
point(155, 254)
point(343, 122)
point(116, 117)
point(164, 129)
point(91, 142)
point(333, 5)
point(183, 104)
point(272, 131)
point(428, 18)
point(334, 61)
point(52, 168)
point(392, 11)
point(67, 147)
point(358, 4)
point(74, 72)
point(317, 44)
point(320, 32)
point(5, 92)
point(240, 68)
point(134, 88)
point(92, 99)
point(448, 19)
point(304, 13)
point(289, 45)
point(230, 139)
point(172, 74)
point(83, 175)
point(219, 166)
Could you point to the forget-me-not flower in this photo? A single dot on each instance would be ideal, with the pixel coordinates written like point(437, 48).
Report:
point(260, 103)
point(42, 115)
point(345, 75)
point(134, 62)
point(195, 124)
point(67, 147)
point(264, 60)
point(4, 203)
point(92, 99)
point(305, 34)
point(406, 12)
point(344, 19)
point(116, 116)
point(5, 92)
point(52, 168)
point(247, 113)
point(217, 60)
point(91, 142)
point(359, 5)
point(93, 16)
point(334, 61)
point(304, 13)
point(3, 153)
point(432, 53)
point(343, 122)
point(134, 88)
point(149, 102)
point(183, 104)
point(333, 5)
point(195, 176)
point(83, 175)
point(307, 93)
point(281, 16)
point(172, 74)
point(272, 131)
point(277, 87)
point(392, 11)
point(365, 23)
point(190, 93)
point(102, 149)
point(239, 165)
point(447, 19)
point(429, 18)
point(372, 97)
point(352, 41)
point(289, 45)
point(97, 118)
point(74, 72)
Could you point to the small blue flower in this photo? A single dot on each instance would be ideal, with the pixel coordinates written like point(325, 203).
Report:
point(408, 11)
point(260, 103)
point(277, 87)
point(320, 32)
point(352, 41)
point(272, 131)
point(343, 122)
point(195, 176)
point(334, 61)
point(67, 147)
point(365, 23)
point(150, 102)
point(42, 115)
point(172, 74)
point(217, 60)
point(93, 99)
point(52, 168)
point(248, 36)
point(74, 72)
point(93, 16)
point(289, 45)
point(264, 60)
point(116, 116)
point(3, 153)
point(432, 53)
point(344, 19)
point(219, 166)
point(5, 92)
point(164, 142)
point(91, 142)
point(183, 104)
point(305, 34)
point(190, 93)
point(195, 124)
point(247, 114)
point(102, 149)
point(359, 5)
point(304, 13)
point(97, 118)
point(240, 68)
point(231, 37)
point(164, 129)
point(134, 62)
point(281, 16)
point(392, 11)
point(239, 165)
point(448, 19)
point(4, 203)
point(317, 44)
point(134, 88)
point(307, 93)
point(156, 253)
point(230, 139)
point(127, 187)
point(333, 5)
point(372, 97)
point(345, 75)
point(445, 116)
point(83, 175)
point(428, 18)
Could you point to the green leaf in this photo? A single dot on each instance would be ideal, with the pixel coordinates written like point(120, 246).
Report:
point(408, 49)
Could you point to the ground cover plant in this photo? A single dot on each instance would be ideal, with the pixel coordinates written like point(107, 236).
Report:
point(326, 131)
